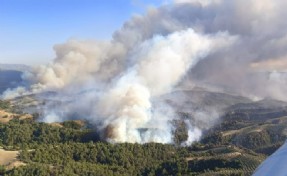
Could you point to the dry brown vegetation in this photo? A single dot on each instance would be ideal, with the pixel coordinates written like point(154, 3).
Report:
point(5, 116)
point(6, 157)
point(14, 164)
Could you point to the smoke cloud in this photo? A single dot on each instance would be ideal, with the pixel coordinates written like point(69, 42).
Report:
point(117, 85)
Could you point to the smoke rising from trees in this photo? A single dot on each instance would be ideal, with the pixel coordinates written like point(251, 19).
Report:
point(229, 44)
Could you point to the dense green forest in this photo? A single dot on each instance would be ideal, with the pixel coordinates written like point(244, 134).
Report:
point(52, 150)
point(234, 147)
point(27, 133)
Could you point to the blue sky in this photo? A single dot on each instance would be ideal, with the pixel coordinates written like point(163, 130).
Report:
point(30, 28)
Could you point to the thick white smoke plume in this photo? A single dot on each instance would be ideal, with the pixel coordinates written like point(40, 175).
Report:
point(158, 65)
point(116, 85)
point(123, 105)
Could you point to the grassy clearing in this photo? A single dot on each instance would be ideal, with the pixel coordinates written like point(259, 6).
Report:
point(7, 157)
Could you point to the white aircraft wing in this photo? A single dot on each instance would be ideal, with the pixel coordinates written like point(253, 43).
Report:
point(275, 165)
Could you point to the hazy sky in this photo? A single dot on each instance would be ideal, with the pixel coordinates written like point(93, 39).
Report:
point(30, 28)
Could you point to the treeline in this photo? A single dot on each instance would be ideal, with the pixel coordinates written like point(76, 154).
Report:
point(28, 133)
point(19, 134)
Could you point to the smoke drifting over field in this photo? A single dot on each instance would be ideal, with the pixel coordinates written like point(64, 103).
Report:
point(117, 84)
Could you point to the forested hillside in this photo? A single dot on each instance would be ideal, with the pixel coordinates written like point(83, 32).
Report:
point(236, 146)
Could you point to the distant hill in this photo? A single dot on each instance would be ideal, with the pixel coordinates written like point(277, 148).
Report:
point(9, 79)
point(203, 99)
point(15, 67)
point(11, 75)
